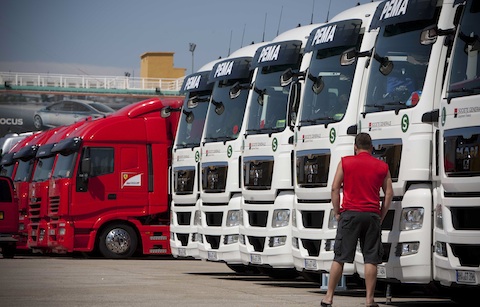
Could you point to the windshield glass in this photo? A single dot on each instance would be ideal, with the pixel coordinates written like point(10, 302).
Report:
point(190, 133)
point(402, 88)
point(465, 72)
point(24, 171)
point(268, 110)
point(43, 169)
point(64, 165)
point(328, 105)
point(225, 115)
point(7, 170)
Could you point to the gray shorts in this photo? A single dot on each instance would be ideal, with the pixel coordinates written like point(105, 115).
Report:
point(355, 226)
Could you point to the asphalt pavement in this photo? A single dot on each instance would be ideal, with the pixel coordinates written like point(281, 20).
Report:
point(164, 281)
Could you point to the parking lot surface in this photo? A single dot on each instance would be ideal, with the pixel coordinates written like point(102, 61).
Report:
point(164, 281)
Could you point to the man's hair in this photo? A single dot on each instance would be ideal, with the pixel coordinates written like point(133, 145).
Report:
point(363, 141)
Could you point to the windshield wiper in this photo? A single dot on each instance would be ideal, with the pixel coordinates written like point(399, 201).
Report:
point(219, 139)
point(322, 120)
point(376, 105)
point(465, 90)
point(188, 145)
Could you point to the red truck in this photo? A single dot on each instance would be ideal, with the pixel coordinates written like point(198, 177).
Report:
point(20, 163)
point(8, 217)
point(38, 188)
point(109, 186)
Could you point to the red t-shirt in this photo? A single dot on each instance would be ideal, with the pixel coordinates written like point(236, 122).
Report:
point(363, 177)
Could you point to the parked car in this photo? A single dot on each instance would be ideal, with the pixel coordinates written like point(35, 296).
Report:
point(67, 112)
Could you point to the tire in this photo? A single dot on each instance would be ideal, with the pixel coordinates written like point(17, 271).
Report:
point(8, 250)
point(117, 241)
point(37, 122)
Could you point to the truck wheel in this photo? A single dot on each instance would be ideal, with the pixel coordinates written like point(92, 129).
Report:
point(8, 250)
point(117, 241)
point(37, 122)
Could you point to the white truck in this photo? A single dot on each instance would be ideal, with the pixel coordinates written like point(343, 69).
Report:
point(457, 207)
point(400, 103)
point(220, 193)
point(267, 164)
point(185, 171)
point(323, 134)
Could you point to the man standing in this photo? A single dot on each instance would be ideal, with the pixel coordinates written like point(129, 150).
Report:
point(360, 216)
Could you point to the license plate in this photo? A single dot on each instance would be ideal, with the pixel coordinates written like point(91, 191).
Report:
point(466, 277)
point(212, 256)
point(381, 271)
point(310, 264)
point(256, 259)
point(182, 252)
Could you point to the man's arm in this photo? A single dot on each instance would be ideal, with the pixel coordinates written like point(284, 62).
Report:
point(336, 186)
point(388, 192)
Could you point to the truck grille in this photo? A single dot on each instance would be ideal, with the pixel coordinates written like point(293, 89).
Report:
point(183, 238)
point(258, 243)
point(184, 178)
point(469, 255)
point(214, 218)
point(258, 173)
point(312, 168)
point(183, 218)
point(312, 246)
point(258, 218)
point(313, 219)
point(214, 177)
point(214, 241)
point(53, 206)
point(465, 218)
point(34, 209)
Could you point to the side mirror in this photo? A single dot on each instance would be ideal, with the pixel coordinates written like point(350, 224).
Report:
point(318, 85)
point(235, 90)
point(348, 57)
point(192, 102)
point(429, 35)
point(165, 112)
point(189, 116)
point(86, 166)
point(286, 78)
point(219, 107)
point(386, 66)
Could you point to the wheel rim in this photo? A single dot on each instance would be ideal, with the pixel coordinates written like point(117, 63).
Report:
point(118, 241)
point(37, 122)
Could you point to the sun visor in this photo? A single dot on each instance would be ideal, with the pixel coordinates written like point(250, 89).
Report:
point(45, 151)
point(68, 145)
point(400, 11)
point(238, 68)
point(196, 82)
point(7, 159)
point(277, 54)
point(342, 33)
point(26, 153)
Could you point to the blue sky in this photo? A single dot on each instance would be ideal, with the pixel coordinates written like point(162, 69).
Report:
point(107, 37)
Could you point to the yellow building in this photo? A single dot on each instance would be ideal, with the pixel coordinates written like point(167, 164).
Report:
point(159, 65)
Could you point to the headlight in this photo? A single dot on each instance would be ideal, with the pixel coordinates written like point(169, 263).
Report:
point(241, 239)
point(233, 218)
point(294, 218)
point(277, 241)
point(407, 248)
point(295, 243)
point(281, 218)
point(441, 248)
point(62, 231)
point(330, 244)
point(439, 216)
point(197, 218)
point(230, 239)
point(411, 218)
point(332, 221)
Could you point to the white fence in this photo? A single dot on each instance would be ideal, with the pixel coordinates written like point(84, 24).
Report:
point(89, 82)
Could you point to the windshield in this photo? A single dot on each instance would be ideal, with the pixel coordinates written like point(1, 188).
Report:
point(465, 72)
point(190, 131)
point(43, 169)
point(64, 165)
point(102, 108)
point(401, 88)
point(7, 170)
point(268, 110)
point(225, 115)
point(24, 171)
point(328, 105)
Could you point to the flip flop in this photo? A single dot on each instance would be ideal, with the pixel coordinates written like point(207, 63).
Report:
point(323, 304)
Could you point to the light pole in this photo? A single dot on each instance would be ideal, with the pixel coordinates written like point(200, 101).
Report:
point(192, 50)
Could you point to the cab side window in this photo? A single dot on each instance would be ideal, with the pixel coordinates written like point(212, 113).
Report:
point(101, 160)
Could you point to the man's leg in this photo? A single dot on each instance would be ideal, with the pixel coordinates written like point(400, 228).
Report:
point(370, 282)
point(336, 271)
